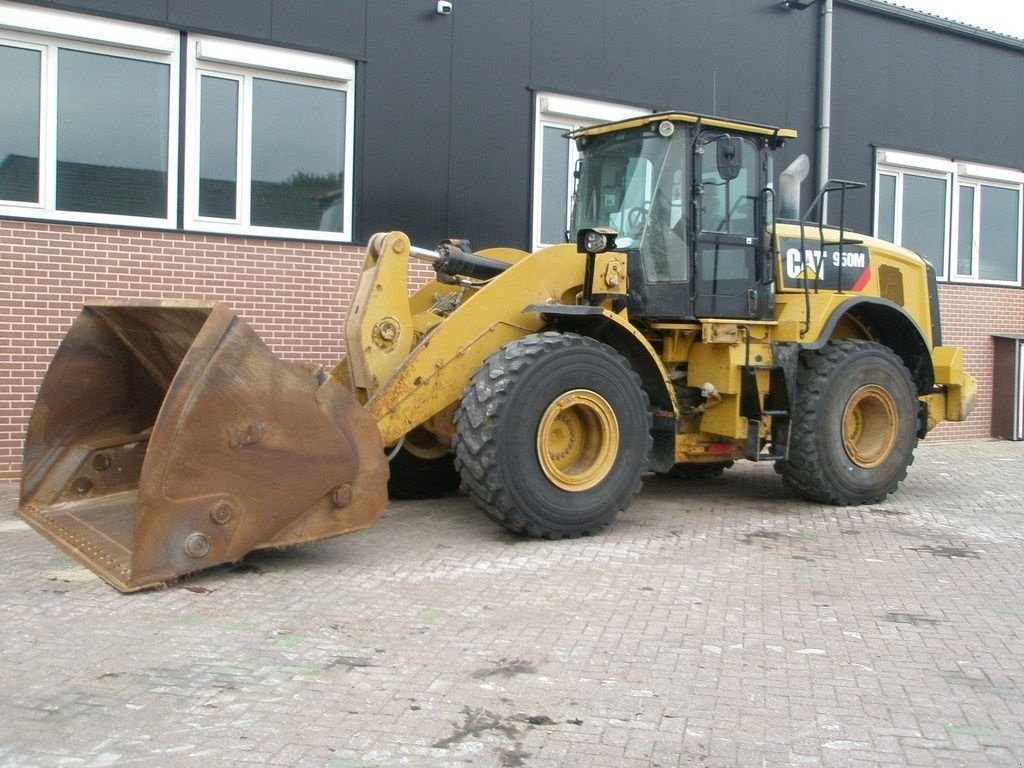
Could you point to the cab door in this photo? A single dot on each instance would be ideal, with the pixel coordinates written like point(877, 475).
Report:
point(729, 248)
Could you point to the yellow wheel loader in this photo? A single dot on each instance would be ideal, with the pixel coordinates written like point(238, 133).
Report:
point(696, 320)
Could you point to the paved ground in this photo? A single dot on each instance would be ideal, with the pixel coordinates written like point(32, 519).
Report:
point(719, 623)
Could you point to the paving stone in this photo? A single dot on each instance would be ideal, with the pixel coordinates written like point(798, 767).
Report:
point(717, 624)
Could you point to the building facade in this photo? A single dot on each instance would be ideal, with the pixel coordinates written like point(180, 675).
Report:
point(245, 150)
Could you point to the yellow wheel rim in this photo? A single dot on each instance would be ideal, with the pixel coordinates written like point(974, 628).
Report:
point(578, 440)
point(869, 426)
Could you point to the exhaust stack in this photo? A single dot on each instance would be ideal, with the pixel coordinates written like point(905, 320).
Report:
point(789, 187)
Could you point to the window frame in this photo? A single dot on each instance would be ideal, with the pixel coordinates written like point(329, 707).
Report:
point(568, 113)
point(245, 62)
point(51, 31)
point(896, 163)
point(977, 177)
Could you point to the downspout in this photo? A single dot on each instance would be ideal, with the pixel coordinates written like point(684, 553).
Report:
point(824, 97)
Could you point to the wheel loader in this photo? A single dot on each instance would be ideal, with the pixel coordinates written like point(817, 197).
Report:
point(696, 318)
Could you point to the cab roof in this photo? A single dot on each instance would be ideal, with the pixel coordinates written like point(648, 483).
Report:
point(777, 136)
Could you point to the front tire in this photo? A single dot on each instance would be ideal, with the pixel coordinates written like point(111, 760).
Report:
point(854, 424)
point(553, 435)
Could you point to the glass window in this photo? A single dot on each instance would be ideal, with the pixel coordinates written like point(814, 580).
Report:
point(218, 148)
point(89, 131)
point(272, 140)
point(554, 185)
point(965, 233)
point(112, 124)
point(999, 234)
point(924, 218)
point(886, 226)
point(976, 230)
point(666, 247)
point(617, 183)
point(555, 158)
point(635, 183)
point(19, 129)
point(729, 205)
point(723, 267)
point(297, 166)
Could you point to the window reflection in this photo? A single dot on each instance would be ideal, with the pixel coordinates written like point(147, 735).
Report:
point(298, 155)
point(218, 148)
point(554, 185)
point(999, 233)
point(729, 205)
point(887, 207)
point(19, 128)
point(112, 134)
point(924, 218)
point(965, 243)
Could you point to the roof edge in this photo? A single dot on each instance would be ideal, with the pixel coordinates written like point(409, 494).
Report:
point(936, 22)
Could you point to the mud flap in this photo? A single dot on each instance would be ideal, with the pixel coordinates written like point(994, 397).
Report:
point(167, 438)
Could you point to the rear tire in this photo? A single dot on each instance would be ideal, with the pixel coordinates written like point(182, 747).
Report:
point(854, 424)
point(553, 435)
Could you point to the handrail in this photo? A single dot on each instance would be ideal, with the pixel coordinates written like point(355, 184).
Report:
point(830, 187)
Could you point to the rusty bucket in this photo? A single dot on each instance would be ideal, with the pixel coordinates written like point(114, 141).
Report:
point(166, 438)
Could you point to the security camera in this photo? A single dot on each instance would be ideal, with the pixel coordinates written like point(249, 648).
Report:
point(444, 8)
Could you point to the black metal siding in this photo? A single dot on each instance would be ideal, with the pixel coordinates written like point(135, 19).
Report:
point(405, 120)
point(327, 26)
point(445, 103)
point(901, 85)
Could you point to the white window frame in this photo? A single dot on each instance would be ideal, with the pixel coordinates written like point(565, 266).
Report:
point(50, 31)
point(898, 164)
point(956, 174)
point(567, 113)
point(242, 62)
point(978, 176)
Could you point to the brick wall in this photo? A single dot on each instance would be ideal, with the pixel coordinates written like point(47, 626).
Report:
point(293, 294)
point(970, 316)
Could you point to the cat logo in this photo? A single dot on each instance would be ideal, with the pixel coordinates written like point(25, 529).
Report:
point(806, 265)
point(807, 273)
point(846, 269)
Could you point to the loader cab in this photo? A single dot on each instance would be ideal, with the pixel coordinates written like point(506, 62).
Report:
point(690, 201)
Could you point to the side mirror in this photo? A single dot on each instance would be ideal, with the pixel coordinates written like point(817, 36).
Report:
point(728, 157)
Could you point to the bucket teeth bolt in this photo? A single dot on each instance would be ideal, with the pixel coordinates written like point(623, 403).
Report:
point(82, 485)
point(101, 462)
point(197, 545)
point(221, 513)
point(342, 495)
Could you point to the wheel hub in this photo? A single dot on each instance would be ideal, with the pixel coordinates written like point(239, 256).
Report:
point(424, 445)
point(870, 424)
point(578, 440)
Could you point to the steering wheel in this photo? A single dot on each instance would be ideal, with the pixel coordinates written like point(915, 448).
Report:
point(635, 220)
